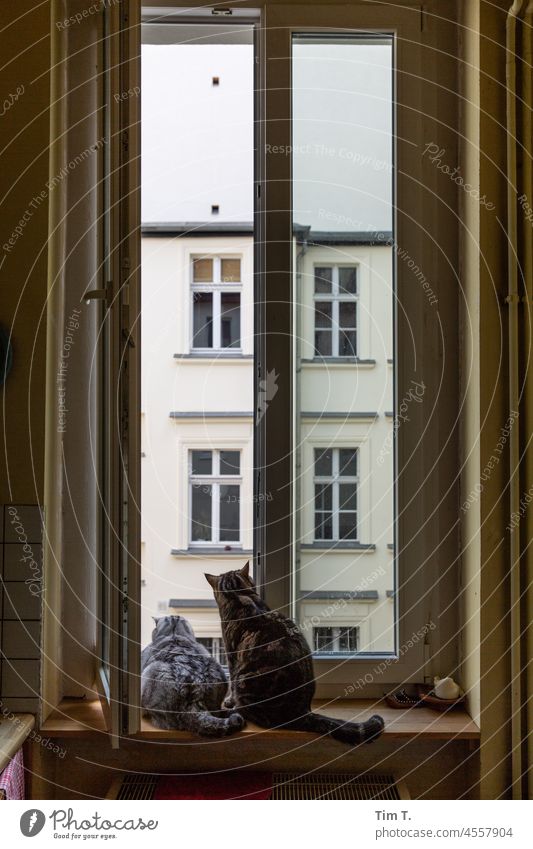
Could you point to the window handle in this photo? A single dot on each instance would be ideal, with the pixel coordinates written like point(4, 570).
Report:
point(96, 295)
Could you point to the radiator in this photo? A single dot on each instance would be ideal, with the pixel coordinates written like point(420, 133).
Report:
point(288, 785)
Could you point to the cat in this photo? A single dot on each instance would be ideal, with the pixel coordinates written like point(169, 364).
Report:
point(182, 686)
point(271, 670)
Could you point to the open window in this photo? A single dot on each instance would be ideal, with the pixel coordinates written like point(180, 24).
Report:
point(289, 375)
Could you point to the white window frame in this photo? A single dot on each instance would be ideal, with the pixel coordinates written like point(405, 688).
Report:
point(335, 648)
point(215, 481)
point(335, 480)
point(335, 298)
point(215, 287)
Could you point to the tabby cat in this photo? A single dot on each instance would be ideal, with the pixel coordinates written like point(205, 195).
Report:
point(271, 670)
point(182, 685)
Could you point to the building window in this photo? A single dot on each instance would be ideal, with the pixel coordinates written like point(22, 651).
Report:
point(336, 311)
point(216, 303)
point(215, 647)
point(336, 640)
point(335, 483)
point(215, 487)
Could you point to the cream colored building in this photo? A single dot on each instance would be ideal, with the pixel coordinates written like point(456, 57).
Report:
point(197, 409)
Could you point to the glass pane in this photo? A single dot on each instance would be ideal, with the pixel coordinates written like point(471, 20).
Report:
point(323, 278)
point(323, 314)
point(202, 270)
point(347, 281)
point(201, 529)
point(230, 270)
point(323, 463)
point(201, 463)
point(347, 462)
point(347, 526)
point(343, 291)
point(323, 339)
point(347, 314)
point(203, 320)
point(323, 638)
point(230, 320)
point(347, 343)
point(347, 496)
point(229, 513)
point(348, 639)
point(323, 496)
point(323, 526)
point(230, 462)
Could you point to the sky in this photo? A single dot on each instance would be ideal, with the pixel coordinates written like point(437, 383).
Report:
point(197, 138)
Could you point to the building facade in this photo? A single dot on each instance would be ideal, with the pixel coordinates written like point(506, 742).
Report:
point(198, 429)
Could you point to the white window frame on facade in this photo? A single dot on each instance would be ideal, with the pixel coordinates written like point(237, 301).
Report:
point(332, 435)
point(335, 479)
point(215, 287)
point(335, 647)
point(335, 298)
point(215, 481)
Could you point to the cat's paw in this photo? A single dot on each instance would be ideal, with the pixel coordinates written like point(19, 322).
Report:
point(236, 722)
point(374, 727)
point(228, 703)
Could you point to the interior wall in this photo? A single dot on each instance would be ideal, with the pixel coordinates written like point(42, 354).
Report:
point(23, 177)
point(24, 83)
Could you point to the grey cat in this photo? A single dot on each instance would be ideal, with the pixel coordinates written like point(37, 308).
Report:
point(182, 686)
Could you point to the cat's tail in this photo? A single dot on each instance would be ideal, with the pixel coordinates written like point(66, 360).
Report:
point(204, 723)
point(347, 732)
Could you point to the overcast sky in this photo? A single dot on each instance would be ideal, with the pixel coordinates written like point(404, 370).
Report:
point(198, 138)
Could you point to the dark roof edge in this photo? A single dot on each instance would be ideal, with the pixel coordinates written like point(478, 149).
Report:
point(192, 229)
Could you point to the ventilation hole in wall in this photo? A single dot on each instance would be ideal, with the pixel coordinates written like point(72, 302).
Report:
point(215, 209)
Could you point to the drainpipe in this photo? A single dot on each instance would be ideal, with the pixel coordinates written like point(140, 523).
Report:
point(527, 175)
point(514, 445)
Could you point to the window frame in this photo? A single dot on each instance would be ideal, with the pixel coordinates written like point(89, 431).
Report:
point(423, 589)
point(335, 298)
point(335, 480)
point(215, 480)
point(216, 288)
point(273, 522)
point(335, 639)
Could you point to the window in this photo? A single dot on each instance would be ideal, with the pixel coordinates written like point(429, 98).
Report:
point(335, 494)
point(216, 300)
point(335, 311)
point(336, 640)
point(215, 647)
point(215, 488)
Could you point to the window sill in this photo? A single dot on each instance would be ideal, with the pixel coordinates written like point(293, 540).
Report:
point(211, 552)
point(14, 729)
point(215, 357)
point(339, 361)
point(78, 718)
point(338, 546)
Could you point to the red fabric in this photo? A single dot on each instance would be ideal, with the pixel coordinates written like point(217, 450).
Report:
point(225, 785)
point(12, 778)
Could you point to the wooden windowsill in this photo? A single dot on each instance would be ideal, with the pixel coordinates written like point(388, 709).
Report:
point(78, 718)
point(14, 730)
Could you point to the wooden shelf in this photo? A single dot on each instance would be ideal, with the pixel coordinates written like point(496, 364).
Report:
point(78, 718)
point(13, 733)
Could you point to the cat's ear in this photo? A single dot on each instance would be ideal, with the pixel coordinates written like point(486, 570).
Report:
point(245, 571)
point(212, 580)
point(156, 620)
